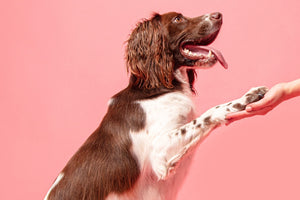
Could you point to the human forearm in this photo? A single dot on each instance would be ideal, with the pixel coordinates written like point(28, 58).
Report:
point(292, 89)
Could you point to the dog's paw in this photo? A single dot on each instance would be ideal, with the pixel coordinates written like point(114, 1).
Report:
point(255, 94)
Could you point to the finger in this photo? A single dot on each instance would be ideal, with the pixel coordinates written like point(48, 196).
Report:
point(239, 114)
point(258, 105)
point(244, 114)
point(262, 111)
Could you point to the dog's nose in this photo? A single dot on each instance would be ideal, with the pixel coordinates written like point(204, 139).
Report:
point(216, 16)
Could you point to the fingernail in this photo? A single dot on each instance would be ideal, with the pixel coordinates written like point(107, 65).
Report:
point(248, 108)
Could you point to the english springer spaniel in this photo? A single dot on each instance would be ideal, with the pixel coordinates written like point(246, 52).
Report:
point(143, 146)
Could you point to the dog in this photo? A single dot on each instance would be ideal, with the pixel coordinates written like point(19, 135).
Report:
point(143, 147)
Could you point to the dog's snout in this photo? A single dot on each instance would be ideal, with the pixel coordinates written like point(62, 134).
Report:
point(216, 16)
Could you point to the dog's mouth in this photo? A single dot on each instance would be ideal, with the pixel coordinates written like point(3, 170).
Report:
point(199, 51)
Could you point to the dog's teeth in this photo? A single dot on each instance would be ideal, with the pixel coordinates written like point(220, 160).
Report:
point(186, 51)
point(209, 53)
point(190, 53)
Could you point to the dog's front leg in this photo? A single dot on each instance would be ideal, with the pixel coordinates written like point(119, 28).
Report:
point(169, 148)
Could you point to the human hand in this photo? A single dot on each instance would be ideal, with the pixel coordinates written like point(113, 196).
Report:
point(272, 98)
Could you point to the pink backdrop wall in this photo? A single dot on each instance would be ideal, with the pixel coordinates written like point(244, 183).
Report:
point(62, 60)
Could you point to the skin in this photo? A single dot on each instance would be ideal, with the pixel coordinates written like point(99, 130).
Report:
point(277, 94)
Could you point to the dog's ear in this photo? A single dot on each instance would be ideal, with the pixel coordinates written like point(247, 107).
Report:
point(149, 59)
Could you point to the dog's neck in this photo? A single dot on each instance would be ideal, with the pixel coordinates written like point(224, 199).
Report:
point(184, 78)
point(182, 75)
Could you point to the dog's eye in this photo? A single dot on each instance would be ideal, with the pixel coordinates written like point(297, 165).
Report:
point(178, 19)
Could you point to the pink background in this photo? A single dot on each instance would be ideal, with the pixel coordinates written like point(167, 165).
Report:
point(62, 60)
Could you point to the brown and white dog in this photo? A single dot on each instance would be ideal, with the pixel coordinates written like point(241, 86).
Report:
point(143, 146)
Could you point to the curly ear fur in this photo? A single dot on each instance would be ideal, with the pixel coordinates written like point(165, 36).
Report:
point(149, 59)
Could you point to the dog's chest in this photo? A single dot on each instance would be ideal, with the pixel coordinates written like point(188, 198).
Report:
point(167, 112)
point(163, 114)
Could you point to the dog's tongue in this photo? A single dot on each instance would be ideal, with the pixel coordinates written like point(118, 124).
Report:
point(218, 54)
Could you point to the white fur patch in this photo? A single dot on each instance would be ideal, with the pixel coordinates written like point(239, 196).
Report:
point(164, 114)
point(59, 177)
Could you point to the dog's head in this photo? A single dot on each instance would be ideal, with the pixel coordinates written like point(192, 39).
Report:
point(164, 43)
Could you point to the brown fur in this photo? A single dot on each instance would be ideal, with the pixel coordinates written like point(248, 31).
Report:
point(148, 56)
point(104, 164)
